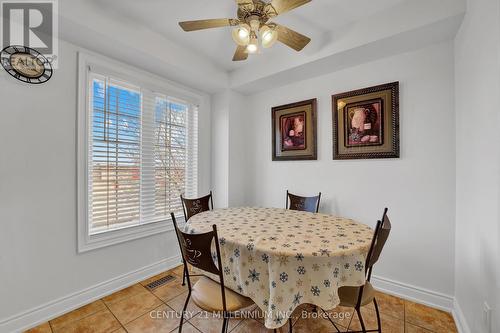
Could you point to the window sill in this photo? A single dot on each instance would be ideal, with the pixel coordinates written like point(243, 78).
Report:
point(124, 234)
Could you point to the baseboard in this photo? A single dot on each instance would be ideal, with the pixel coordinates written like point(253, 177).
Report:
point(459, 317)
point(413, 293)
point(53, 309)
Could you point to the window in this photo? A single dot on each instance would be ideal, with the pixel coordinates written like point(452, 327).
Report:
point(114, 155)
point(140, 155)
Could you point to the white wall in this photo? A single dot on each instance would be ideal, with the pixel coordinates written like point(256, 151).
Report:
point(229, 153)
point(418, 188)
point(220, 151)
point(238, 194)
point(38, 250)
point(477, 68)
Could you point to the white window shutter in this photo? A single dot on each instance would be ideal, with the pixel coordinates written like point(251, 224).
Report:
point(143, 149)
point(191, 189)
point(147, 157)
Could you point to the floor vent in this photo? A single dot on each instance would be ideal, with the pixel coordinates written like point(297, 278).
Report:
point(160, 282)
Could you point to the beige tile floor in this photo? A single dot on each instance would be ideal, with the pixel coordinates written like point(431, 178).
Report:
point(135, 309)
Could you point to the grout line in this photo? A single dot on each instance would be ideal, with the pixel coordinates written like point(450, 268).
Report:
point(80, 319)
point(240, 322)
point(123, 327)
point(186, 321)
point(166, 302)
point(161, 301)
point(119, 322)
point(152, 293)
point(425, 329)
point(414, 324)
point(76, 320)
point(50, 325)
point(124, 298)
point(141, 314)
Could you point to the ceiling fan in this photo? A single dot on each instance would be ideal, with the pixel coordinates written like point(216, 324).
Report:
point(253, 24)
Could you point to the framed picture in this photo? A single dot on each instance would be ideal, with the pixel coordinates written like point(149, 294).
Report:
point(366, 123)
point(294, 131)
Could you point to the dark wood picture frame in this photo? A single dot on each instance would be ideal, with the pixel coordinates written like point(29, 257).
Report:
point(387, 143)
point(309, 152)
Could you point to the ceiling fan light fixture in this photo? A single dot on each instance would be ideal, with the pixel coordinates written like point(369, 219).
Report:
point(251, 29)
point(268, 36)
point(253, 46)
point(241, 34)
point(254, 23)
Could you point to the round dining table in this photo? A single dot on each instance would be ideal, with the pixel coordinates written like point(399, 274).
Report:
point(284, 258)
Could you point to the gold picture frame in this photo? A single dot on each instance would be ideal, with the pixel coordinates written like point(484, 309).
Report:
point(294, 131)
point(366, 123)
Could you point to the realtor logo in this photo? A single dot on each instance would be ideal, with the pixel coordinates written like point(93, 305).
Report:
point(32, 24)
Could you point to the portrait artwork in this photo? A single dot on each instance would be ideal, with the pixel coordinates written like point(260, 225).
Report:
point(366, 123)
point(363, 123)
point(294, 131)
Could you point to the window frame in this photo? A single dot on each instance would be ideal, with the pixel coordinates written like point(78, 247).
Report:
point(88, 241)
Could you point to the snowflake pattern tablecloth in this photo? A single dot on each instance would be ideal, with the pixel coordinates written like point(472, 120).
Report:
point(283, 258)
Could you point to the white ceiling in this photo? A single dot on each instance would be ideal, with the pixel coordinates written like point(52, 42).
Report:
point(318, 19)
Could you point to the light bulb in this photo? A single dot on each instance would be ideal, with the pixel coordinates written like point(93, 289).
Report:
point(268, 36)
point(241, 34)
point(252, 48)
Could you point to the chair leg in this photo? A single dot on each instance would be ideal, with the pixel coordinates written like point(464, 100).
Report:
point(290, 325)
point(332, 322)
point(183, 277)
point(225, 325)
point(379, 325)
point(184, 311)
point(350, 321)
point(363, 328)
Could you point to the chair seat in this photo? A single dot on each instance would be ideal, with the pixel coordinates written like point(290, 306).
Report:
point(206, 294)
point(349, 295)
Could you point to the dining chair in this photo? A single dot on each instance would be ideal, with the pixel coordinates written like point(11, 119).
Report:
point(305, 204)
point(356, 297)
point(191, 207)
point(207, 294)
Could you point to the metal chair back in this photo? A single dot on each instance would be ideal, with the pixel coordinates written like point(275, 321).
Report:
point(305, 204)
point(191, 207)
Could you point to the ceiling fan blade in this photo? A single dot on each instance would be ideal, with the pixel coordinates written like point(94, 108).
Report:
point(240, 54)
point(283, 6)
point(207, 24)
point(292, 38)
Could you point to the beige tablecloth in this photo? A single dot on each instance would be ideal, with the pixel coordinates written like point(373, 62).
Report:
point(283, 258)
